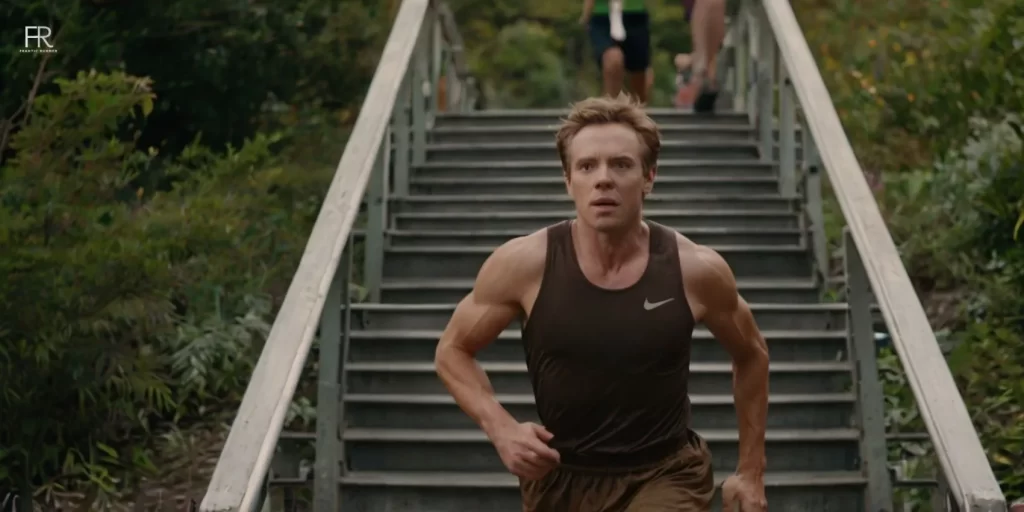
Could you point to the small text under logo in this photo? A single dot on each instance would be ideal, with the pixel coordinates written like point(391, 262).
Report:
point(37, 40)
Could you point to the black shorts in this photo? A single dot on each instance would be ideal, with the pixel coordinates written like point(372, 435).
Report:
point(636, 49)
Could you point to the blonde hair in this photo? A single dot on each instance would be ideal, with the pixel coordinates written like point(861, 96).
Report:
point(623, 109)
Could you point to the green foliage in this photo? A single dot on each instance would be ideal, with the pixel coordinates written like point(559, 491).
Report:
point(525, 52)
point(931, 103)
point(218, 64)
point(125, 308)
point(932, 100)
point(552, 63)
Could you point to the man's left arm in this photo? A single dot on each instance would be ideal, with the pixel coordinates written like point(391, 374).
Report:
point(730, 320)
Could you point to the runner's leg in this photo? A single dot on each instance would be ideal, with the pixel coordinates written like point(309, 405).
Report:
point(637, 53)
point(610, 58)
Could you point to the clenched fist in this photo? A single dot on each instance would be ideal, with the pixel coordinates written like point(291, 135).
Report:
point(524, 449)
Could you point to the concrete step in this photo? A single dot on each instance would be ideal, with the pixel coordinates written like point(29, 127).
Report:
point(785, 346)
point(554, 184)
point(469, 450)
point(746, 261)
point(366, 491)
point(545, 151)
point(499, 492)
point(439, 411)
point(512, 377)
point(494, 238)
point(546, 133)
point(560, 202)
point(427, 290)
point(681, 219)
point(819, 317)
point(549, 117)
point(667, 168)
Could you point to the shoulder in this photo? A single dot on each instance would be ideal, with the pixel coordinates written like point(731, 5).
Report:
point(513, 267)
point(707, 278)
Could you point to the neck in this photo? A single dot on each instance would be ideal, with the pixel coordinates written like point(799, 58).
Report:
point(610, 249)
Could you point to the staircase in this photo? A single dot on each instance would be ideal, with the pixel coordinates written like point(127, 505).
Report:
point(490, 176)
point(439, 191)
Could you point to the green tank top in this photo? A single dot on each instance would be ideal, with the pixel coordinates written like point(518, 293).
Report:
point(601, 6)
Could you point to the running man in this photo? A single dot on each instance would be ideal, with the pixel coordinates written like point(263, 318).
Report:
point(609, 302)
point(707, 29)
point(620, 37)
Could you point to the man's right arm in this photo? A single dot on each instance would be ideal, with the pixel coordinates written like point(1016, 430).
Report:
point(494, 302)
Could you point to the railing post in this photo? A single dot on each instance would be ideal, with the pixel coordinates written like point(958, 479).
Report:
point(870, 403)
point(328, 394)
point(751, 20)
point(787, 135)
point(400, 130)
point(376, 223)
point(814, 204)
point(940, 496)
point(420, 93)
point(742, 49)
point(766, 86)
point(436, 42)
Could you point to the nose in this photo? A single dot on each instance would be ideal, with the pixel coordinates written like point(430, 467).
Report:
point(603, 178)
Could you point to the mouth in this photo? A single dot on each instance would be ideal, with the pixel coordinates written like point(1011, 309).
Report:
point(604, 202)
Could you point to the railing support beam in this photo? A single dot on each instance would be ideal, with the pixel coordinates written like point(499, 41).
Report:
point(328, 394)
point(766, 87)
point(870, 403)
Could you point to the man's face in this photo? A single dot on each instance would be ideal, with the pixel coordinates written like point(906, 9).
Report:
point(606, 178)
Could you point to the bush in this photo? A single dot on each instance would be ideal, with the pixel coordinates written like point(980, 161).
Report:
point(971, 202)
point(930, 102)
point(128, 309)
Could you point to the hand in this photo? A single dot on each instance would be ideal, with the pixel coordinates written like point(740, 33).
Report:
point(524, 450)
point(744, 492)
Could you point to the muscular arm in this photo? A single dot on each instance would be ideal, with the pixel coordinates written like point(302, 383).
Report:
point(496, 300)
point(730, 320)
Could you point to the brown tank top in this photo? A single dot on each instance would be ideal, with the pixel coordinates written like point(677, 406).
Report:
point(610, 367)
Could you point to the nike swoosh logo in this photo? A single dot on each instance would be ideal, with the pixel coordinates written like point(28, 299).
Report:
point(648, 305)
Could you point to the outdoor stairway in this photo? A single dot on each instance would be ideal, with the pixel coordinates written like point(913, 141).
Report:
point(490, 176)
point(428, 187)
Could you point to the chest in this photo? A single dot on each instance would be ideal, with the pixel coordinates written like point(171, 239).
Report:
point(648, 322)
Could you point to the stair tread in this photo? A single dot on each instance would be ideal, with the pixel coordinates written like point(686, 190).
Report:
point(752, 283)
point(559, 179)
point(474, 435)
point(555, 164)
point(556, 113)
point(550, 128)
point(521, 232)
point(808, 334)
point(545, 145)
point(525, 398)
point(566, 214)
point(565, 199)
point(462, 249)
point(520, 367)
point(823, 306)
point(507, 480)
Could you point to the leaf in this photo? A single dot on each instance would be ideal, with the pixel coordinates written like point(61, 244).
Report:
point(147, 106)
point(1016, 228)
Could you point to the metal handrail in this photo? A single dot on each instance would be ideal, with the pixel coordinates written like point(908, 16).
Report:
point(966, 479)
point(382, 141)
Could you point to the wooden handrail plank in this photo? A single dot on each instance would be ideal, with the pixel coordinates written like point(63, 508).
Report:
point(963, 460)
point(238, 478)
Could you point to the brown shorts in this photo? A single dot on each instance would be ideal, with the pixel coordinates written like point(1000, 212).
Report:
point(682, 482)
